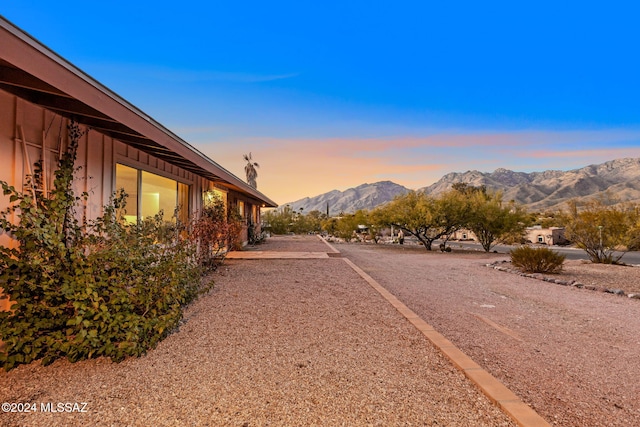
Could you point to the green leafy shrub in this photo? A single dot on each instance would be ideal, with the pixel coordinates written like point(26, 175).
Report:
point(537, 260)
point(602, 227)
point(79, 290)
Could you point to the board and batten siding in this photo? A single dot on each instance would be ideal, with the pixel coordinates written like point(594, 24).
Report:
point(29, 133)
point(96, 160)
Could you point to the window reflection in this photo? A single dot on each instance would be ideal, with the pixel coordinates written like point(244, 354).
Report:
point(183, 202)
point(210, 196)
point(241, 208)
point(157, 193)
point(127, 179)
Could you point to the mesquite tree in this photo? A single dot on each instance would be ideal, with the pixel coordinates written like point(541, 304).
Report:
point(425, 217)
point(491, 219)
point(602, 228)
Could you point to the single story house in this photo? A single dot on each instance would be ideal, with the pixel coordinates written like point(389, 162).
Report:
point(122, 147)
point(546, 236)
point(535, 234)
point(463, 235)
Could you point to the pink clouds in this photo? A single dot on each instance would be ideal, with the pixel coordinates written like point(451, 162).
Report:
point(613, 153)
point(295, 168)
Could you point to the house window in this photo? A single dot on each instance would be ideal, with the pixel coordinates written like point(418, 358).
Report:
point(210, 196)
point(241, 208)
point(127, 179)
point(148, 194)
point(540, 239)
point(254, 214)
point(183, 202)
point(158, 194)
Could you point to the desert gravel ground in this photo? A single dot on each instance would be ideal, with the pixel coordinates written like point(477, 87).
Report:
point(277, 342)
point(571, 354)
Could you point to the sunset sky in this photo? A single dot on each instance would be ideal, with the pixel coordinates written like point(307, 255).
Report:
point(332, 94)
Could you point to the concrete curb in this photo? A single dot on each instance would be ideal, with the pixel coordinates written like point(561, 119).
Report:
point(276, 255)
point(333, 250)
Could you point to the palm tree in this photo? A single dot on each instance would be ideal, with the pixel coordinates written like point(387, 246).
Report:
point(250, 170)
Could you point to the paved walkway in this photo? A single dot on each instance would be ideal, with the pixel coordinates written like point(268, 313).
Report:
point(511, 404)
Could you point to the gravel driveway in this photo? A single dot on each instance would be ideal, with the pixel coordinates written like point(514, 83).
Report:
point(572, 354)
point(277, 342)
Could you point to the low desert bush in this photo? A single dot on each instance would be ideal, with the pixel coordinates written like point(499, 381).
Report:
point(114, 292)
point(215, 231)
point(537, 260)
point(81, 290)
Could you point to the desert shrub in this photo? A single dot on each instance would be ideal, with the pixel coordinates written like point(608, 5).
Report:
point(79, 290)
point(537, 260)
point(279, 221)
point(215, 231)
point(602, 227)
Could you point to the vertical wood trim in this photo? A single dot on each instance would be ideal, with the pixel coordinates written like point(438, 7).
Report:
point(114, 150)
point(85, 201)
point(25, 159)
point(103, 165)
point(61, 139)
point(45, 177)
point(86, 159)
point(139, 197)
point(14, 163)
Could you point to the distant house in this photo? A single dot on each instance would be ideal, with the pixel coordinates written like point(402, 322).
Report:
point(546, 236)
point(463, 235)
point(535, 234)
point(122, 147)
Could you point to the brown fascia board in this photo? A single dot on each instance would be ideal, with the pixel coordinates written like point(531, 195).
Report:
point(26, 53)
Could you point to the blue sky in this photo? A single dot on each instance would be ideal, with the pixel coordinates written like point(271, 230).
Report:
point(331, 94)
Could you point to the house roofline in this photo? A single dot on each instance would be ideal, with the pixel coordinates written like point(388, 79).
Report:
point(31, 70)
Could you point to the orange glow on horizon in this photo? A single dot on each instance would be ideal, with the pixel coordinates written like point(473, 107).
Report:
point(291, 169)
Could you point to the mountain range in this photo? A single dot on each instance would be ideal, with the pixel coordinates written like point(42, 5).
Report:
point(365, 196)
point(537, 191)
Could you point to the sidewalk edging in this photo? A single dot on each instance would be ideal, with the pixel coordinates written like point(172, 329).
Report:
point(333, 249)
point(497, 392)
point(276, 255)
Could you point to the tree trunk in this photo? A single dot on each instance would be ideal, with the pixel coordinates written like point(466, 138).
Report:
point(426, 242)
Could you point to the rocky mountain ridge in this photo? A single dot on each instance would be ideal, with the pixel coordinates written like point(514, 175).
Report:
point(552, 189)
point(365, 196)
point(537, 191)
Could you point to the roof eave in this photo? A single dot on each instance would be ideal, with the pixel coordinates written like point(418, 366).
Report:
point(29, 55)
